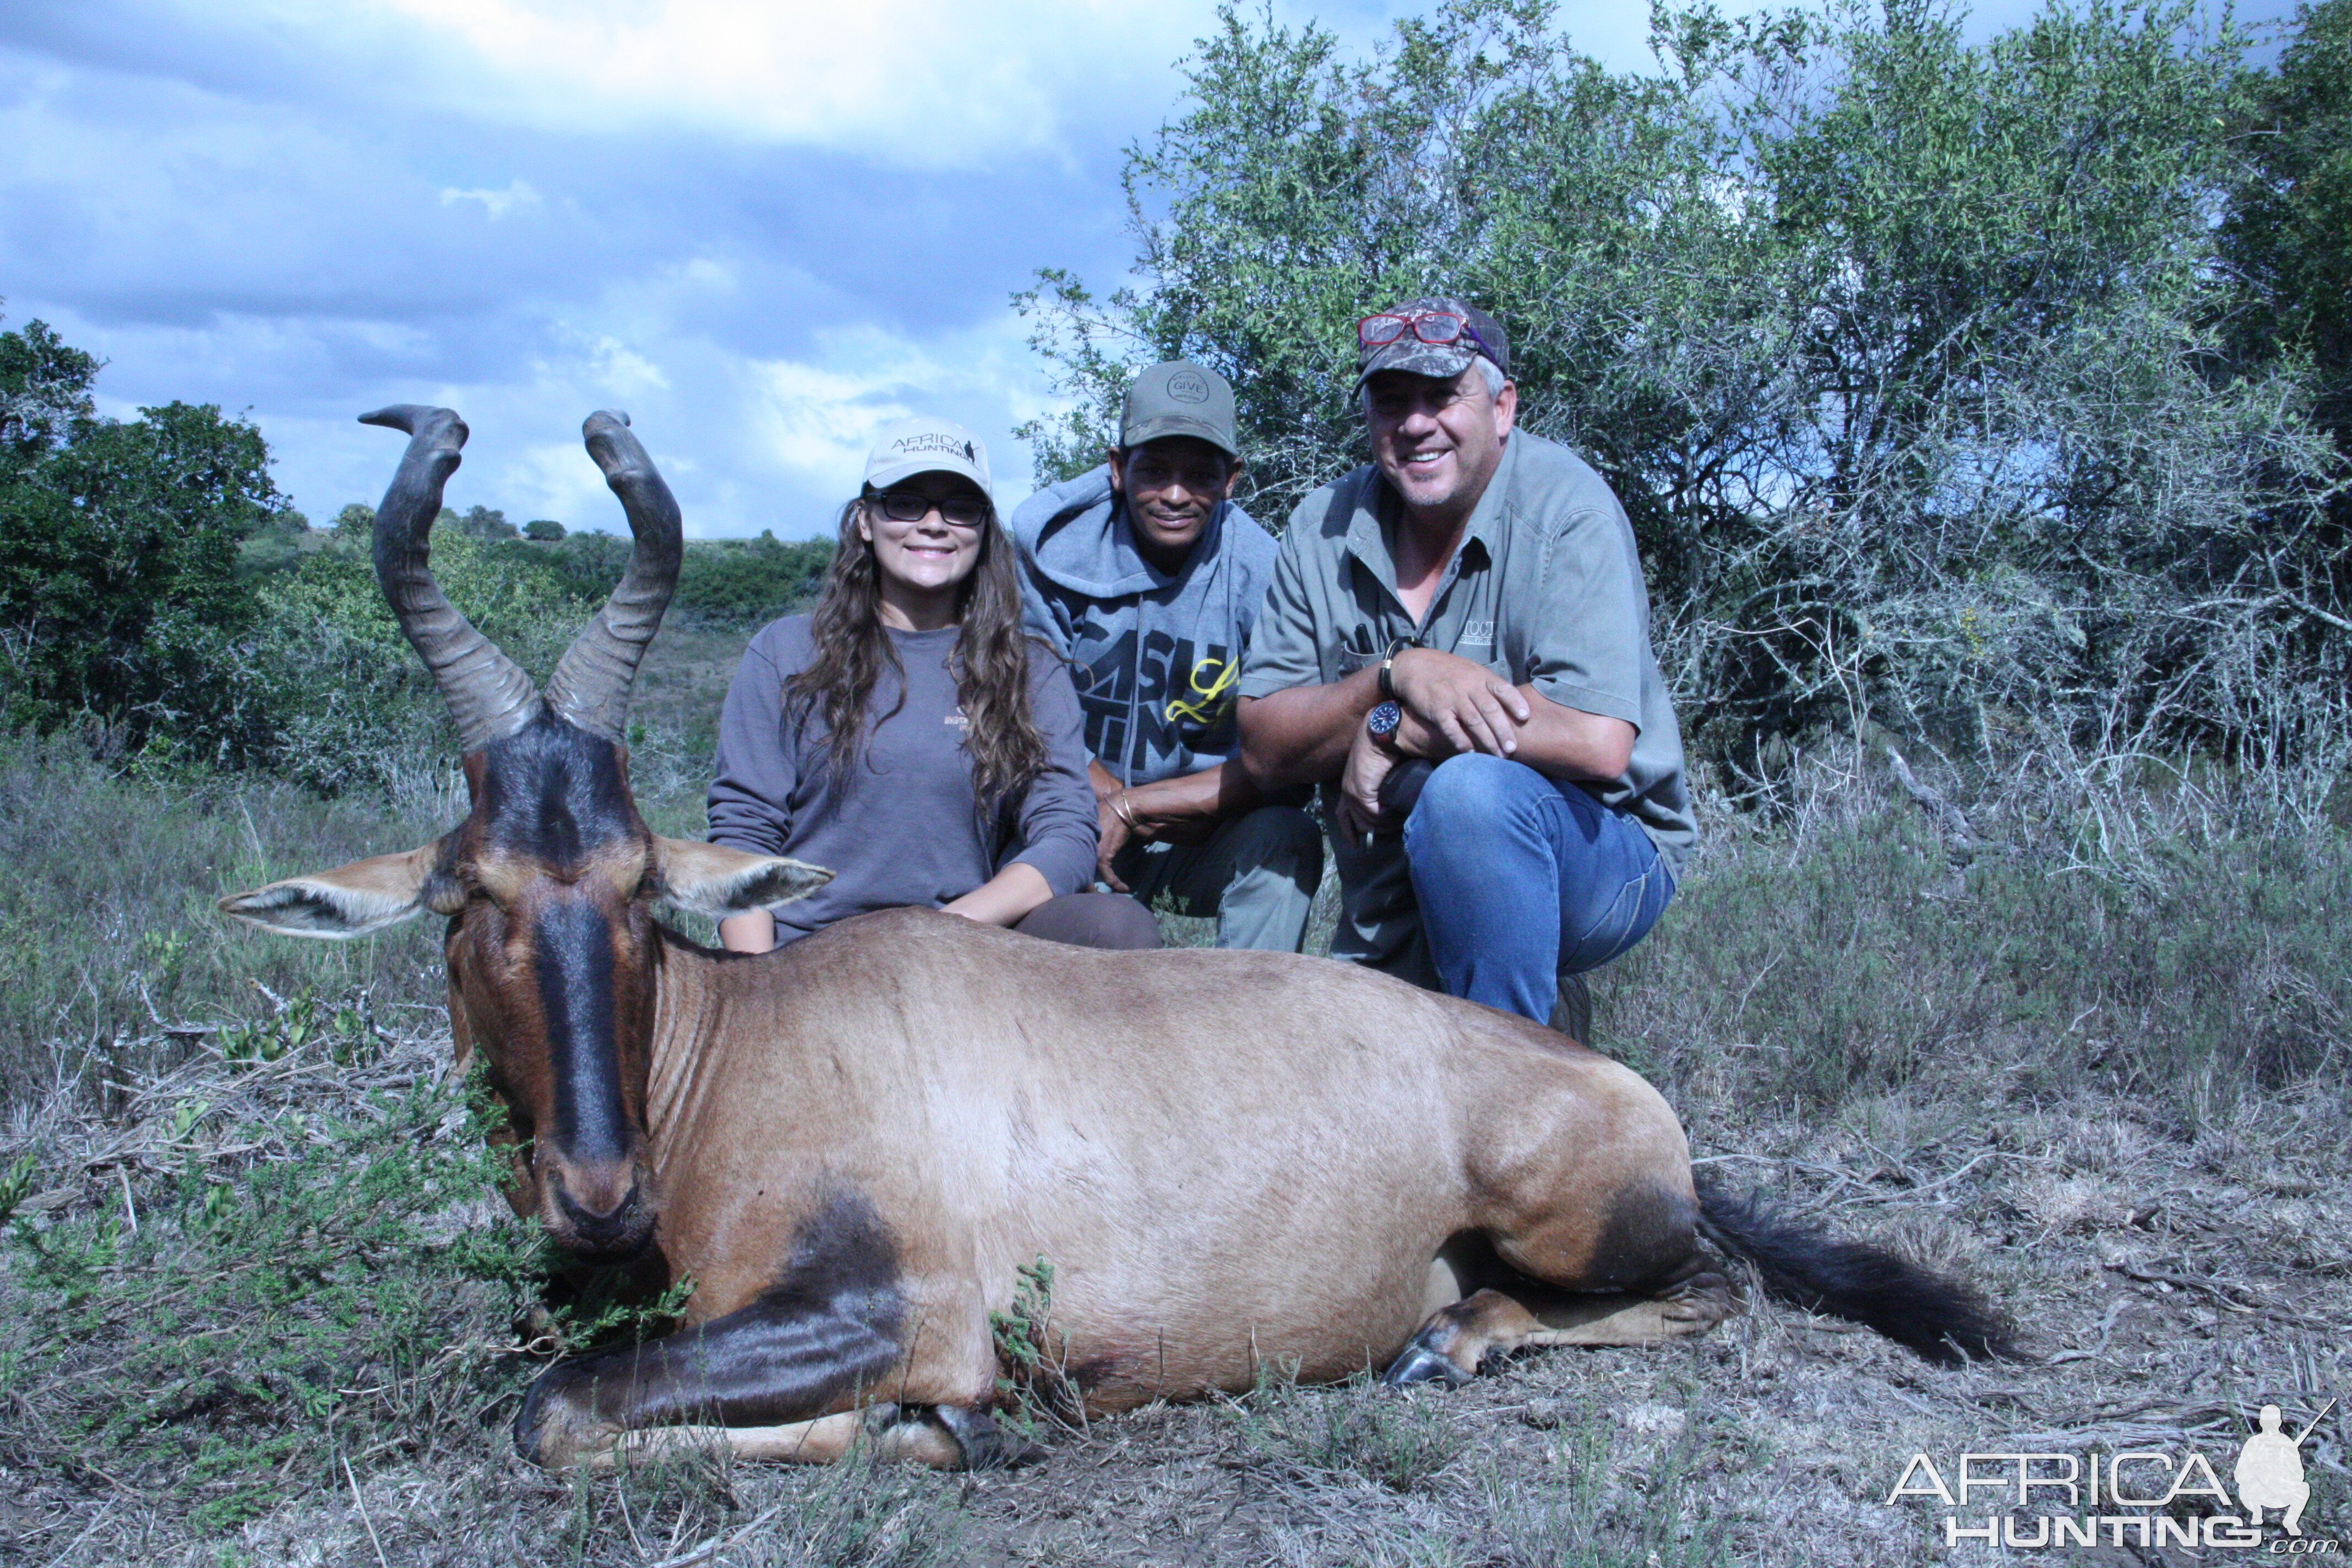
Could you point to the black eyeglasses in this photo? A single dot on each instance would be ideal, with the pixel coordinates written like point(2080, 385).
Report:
point(909, 506)
point(1440, 327)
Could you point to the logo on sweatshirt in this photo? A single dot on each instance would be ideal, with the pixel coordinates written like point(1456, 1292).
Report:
point(1151, 697)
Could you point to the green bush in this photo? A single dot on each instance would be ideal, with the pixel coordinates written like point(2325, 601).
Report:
point(120, 590)
point(341, 701)
point(746, 583)
point(1908, 356)
point(269, 1298)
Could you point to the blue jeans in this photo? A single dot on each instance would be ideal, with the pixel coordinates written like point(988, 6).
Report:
point(1522, 878)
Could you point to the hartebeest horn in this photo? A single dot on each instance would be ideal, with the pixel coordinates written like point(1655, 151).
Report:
point(488, 693)
point(591, 686)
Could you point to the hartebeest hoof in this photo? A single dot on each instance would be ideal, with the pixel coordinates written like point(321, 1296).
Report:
point(556, 1432)
point(986, 1444)
point(1419, 1364)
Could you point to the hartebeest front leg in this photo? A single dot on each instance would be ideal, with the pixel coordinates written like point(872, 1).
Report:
point(945, 1436)
point(776, 1380)
point(775, 1362)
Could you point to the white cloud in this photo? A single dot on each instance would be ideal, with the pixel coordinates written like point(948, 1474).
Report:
point(496, 204)
point(925, 83)
point(816, 417)
point(609, 366)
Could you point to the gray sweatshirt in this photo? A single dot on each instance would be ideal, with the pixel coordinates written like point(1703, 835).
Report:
point(1155, 655)
point(901, 826)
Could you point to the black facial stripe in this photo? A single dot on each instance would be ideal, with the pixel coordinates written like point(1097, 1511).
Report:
point(572, 949)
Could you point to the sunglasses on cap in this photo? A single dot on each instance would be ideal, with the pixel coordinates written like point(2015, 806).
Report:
point(909, 506)
point(1437, 327)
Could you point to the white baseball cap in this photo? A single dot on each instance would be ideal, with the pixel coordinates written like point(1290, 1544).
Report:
point(924, 444)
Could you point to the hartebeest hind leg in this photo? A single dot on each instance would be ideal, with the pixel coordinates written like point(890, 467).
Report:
point(1635, 1278)
point(1456, 1339)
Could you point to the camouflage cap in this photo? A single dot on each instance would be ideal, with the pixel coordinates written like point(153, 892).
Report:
point(1180, 398)
point(1483, 334)
point(923, 445)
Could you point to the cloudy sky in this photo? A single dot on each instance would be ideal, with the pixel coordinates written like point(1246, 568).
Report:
point(762, 228)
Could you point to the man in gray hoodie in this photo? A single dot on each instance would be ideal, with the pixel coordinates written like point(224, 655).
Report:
point(1147, 579)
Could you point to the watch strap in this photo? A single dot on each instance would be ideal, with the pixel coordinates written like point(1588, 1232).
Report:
point(1388, 664)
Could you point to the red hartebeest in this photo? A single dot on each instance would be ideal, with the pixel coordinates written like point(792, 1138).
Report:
point(851, 1145)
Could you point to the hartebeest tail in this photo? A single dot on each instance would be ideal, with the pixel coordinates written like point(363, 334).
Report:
point(1941, 1318)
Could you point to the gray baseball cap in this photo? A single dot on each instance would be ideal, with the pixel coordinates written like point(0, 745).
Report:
point(925, 444)
point(1481, 333)
point(1180, 398)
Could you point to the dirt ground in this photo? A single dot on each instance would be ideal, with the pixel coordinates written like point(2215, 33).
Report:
point(2166, 1289)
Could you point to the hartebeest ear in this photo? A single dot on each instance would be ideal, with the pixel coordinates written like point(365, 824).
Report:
point(713, 879)
point(355, 899)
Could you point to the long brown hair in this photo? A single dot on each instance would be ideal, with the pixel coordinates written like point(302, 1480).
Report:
point(991, 663)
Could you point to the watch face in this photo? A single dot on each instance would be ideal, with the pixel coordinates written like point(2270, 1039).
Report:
point(1385, 719)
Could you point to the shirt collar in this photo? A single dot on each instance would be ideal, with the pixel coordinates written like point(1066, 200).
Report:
point(1379, 509)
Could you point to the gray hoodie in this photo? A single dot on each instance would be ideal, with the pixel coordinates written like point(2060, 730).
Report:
point(1154, 657)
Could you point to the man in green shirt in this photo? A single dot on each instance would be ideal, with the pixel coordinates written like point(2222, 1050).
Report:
point(1472, 598)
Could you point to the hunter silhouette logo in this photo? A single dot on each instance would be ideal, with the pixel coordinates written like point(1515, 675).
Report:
point(934, 441)
point(2270, 1471)
point(2129, 1498)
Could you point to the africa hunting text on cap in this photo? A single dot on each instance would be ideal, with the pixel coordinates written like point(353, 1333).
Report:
point(925, 444)
point(1397, 338)
point(1180, 398)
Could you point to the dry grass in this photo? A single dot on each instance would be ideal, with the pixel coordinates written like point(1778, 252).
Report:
point(2116, 1095)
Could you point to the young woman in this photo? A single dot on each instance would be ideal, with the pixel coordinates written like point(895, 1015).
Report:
point(902, 735)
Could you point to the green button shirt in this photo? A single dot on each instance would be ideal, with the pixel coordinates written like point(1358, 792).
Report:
point(1545, 590)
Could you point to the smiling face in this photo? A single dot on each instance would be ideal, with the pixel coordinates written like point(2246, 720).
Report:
point(1171, 486)
point(1438, 441)
point(922, 562)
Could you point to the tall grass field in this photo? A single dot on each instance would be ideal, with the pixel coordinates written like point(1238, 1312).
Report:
point(2082, 1035)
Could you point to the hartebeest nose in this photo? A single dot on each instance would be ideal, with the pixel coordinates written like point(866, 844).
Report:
point(598, 1211)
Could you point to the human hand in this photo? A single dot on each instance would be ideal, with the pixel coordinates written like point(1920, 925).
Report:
point(1458, 701)
point(1368, 764)
point(1112, 833)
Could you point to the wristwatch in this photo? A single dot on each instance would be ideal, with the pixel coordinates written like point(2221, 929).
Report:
point(1383, 720)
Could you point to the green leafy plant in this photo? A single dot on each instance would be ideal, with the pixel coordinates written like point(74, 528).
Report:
point(304, 1302)
point(1910, 357)
point(1033, 1388)
point(17, 1184)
